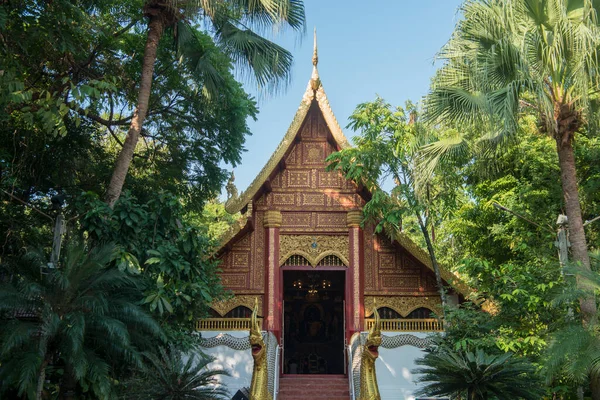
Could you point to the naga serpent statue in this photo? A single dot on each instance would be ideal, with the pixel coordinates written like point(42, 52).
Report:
point(368, 378)
point(259, 389)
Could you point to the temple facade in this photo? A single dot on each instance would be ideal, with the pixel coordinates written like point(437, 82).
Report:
point(300, 250)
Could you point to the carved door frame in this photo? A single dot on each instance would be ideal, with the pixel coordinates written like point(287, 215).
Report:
point(347, 292)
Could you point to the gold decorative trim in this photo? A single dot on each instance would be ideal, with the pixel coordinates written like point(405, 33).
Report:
point(234, 229)
point(422, 255)
point(403, 305)
point(310, 94)
point(354, 218)
point(224, 324)
point(272, 219)
point(407, 325)
point(247, 300)
point(356, 275)
point(313, 248)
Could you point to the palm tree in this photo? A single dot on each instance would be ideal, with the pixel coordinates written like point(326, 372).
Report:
point(478, 376)
point(510, 56)
point(573, 353)
point(170, 377)
point(81, 317)
point(230, 22)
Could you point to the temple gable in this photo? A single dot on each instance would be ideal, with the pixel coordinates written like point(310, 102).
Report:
point(301, 221)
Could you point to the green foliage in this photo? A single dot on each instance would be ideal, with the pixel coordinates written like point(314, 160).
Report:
point(216, 219)
point(383, 150)
point(388, 149)
point(506, 259)
point(170, 252)
point(80, 319)
point(505, 56)
point(170, 375)
point(476, 375)
point(71, 70)
point(573, 354)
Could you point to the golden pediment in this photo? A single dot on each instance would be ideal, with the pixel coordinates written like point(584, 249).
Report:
point(247, 300)
point(403, 305)
point(314, 247)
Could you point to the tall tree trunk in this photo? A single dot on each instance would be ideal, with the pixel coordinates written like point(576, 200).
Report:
point(568, 176)
point(595, 386)
point(155, 30)
point(68, 386)
point(434, 263)
point(472, 394)
point(42, 371)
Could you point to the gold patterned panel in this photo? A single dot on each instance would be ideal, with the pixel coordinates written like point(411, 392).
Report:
point(322, 129)
point(330, 180)
point(306, 130)
point(313, 199)
point(368, 251)
point(258, 245)
point(231, 281)
point(298, 179)
point(296, 220)
point(332, 220)
point(387, 260)
point(247, 300)
point(314, 153)
point(313, 248)
point(291, 158)
point(403, 283)
point(403, 305)
point(241, 259)
point(244, 242)
point(344, 200)
point(284, 199)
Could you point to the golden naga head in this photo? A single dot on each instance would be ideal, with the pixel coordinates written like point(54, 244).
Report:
point(256, 341)
point(374, 338)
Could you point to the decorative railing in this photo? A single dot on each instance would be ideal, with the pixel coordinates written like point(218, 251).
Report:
point(407, 325)
point(224, 324)
point(276, 373)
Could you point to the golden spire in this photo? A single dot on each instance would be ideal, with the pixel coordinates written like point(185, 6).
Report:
point(315, 82)
point(315, 58)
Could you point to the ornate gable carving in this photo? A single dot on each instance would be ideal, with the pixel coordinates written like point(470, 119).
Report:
point(403, 305)
point(313, 248)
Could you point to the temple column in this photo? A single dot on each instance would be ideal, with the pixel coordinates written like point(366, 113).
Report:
point(355, 312)
point(272, 303)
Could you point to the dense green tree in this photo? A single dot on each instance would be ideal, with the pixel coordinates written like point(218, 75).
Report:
point(88, 75)
point(477, 376)
point(81, 318)
point(164, 246)
point(388, 148)
point(505, 57)
point(573, 354)
point(231, 21)
point(509, 261)
point(174, 376)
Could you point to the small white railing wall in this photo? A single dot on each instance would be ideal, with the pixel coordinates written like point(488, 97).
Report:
point(277, 373)
point(350, 372)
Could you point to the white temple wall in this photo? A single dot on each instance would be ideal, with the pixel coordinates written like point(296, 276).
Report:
point(394, 370)
point(238, 363)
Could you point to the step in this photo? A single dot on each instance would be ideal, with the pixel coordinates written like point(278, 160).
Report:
point(321, 387)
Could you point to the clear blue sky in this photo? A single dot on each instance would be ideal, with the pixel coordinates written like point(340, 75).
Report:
point(366, 48)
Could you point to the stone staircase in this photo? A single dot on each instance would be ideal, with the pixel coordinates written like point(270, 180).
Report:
point(303, 387)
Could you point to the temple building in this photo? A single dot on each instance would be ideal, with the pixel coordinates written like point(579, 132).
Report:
point(299, 250)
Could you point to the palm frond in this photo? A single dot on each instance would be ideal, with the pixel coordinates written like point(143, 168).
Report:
point(268, 63)
point(453, 147)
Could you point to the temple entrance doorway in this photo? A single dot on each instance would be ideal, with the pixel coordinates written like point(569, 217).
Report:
point(313, 322)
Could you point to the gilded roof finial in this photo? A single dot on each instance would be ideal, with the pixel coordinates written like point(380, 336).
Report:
point(315, 81)
point(315, 58)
